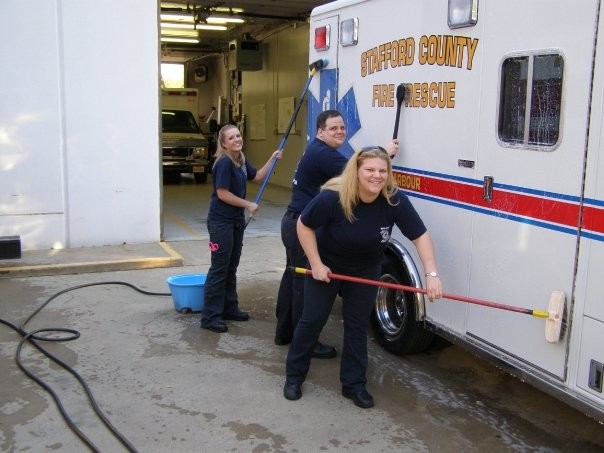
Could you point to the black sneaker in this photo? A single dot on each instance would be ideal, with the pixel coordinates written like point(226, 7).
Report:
point(219, 327)
point(361, 398)
point(292, 392)
point(280, 341)
point(236, 316)
point(323, 351)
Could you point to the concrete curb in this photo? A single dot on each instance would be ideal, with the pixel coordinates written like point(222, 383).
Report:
point(84, 262)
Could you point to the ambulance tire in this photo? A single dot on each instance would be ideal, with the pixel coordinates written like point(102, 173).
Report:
point(201, 177)
point(393, 318)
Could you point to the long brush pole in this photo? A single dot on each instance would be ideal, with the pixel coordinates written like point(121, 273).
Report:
point(313, 67)
point(526, 311)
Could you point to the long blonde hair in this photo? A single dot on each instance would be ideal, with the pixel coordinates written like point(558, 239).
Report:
point(221, 151)
point(347, 184)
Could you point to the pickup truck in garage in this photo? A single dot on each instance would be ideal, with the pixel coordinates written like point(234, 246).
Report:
point(184, 147)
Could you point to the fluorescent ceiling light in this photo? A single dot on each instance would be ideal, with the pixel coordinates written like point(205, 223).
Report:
point(173, 39)
point(177, 17)
point(223, 9)
point(186, 33)
point(210, 27)
point(171, 5)
point(224, 20)
point(191, 26)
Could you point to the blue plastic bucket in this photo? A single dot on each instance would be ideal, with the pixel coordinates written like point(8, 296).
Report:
point(187, 292)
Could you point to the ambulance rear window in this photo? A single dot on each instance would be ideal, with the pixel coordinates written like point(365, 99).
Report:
point(530, 100)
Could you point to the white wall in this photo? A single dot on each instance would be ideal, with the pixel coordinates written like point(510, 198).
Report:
point(284, 74)
point(79, 122)
point(215, 85)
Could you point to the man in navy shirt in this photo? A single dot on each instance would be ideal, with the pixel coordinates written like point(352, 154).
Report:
point(320, 162)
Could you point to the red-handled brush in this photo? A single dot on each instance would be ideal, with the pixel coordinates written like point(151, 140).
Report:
point(554, 315)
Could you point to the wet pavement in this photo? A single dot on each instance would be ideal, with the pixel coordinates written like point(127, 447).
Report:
point(167, 385)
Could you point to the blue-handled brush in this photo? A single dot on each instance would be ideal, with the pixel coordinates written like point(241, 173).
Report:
point(313, 68)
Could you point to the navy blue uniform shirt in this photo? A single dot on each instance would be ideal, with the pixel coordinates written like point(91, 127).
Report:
point(351, 247)
point(319, 163)
point(225, 175)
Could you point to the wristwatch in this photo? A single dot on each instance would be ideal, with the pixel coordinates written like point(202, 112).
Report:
point(431, 274)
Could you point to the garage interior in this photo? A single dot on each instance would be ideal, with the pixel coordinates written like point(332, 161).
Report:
point(206, 38)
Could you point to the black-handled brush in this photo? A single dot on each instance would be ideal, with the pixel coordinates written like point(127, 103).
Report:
point(401, 94)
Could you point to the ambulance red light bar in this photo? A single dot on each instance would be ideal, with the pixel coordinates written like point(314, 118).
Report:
point(322, 37)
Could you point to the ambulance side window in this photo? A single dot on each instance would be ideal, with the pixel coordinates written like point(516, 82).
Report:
point(530, 99)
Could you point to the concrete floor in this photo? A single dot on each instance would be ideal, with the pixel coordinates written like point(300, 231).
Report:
point(185, 206)
point(167, 385)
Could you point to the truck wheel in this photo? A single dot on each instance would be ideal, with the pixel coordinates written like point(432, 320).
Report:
point(201, 177)
point(393, 318)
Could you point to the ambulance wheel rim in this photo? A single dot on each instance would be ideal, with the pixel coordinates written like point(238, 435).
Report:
point(390, 307)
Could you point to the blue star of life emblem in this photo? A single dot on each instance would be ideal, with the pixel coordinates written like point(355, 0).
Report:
point(347, 106)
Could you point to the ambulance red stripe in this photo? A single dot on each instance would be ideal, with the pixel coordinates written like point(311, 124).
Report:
point(531, 206)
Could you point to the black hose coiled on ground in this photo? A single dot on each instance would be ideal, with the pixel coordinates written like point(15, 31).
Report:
point(34, 338)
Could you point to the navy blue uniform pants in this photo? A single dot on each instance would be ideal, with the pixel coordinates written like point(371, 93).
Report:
point(290, 298)
point(357, 305)
point(220, 289)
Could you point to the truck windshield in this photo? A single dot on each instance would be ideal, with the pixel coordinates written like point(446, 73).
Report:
point(179, 121)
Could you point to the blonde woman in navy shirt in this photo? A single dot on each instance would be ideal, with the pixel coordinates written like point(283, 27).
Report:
point(226, 224)
point(344, 230)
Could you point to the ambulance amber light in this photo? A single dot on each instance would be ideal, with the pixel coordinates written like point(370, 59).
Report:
point(349, 32)
point(462, 13)
point(322, 37)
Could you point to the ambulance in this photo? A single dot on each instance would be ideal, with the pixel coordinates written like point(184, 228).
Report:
point(498, 106)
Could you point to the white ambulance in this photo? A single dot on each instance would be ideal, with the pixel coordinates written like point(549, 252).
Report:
point(501, 131)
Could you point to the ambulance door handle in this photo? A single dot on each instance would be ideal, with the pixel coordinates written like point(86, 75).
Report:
point(487, 189)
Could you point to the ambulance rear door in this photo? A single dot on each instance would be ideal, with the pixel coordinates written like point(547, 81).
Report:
point(535, 93)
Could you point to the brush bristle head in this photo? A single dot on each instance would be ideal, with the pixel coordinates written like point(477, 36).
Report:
point(401, 92)
point(553, 324)
point(319, 64)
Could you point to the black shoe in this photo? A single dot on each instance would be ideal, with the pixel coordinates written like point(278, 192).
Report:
point(292, 392)
point(280, 341)
point(219, 327)
point(323, 351)
point(361, 398)
point(237, 316)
